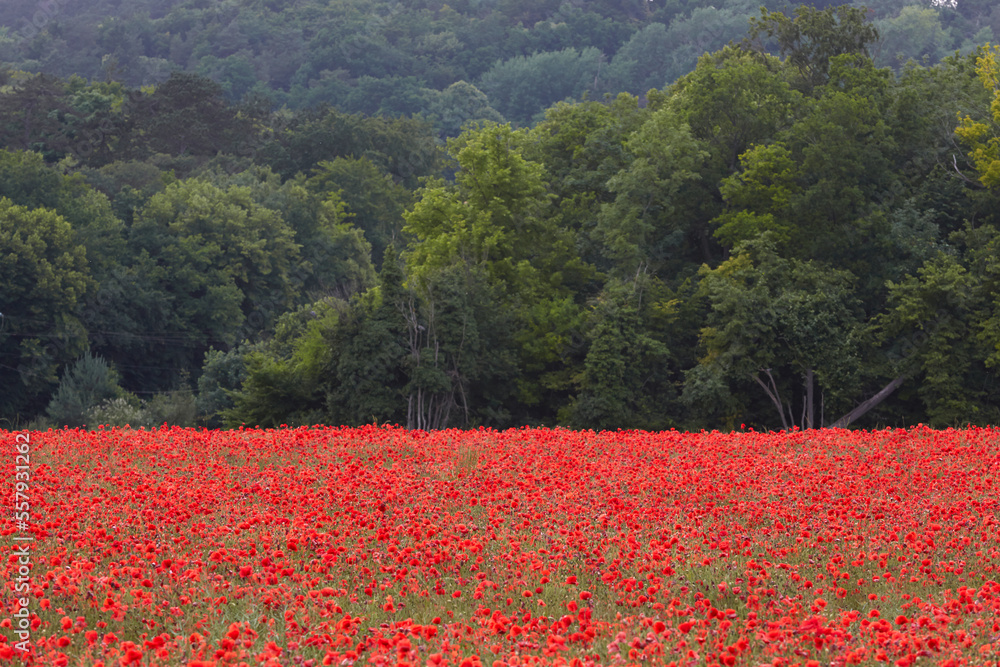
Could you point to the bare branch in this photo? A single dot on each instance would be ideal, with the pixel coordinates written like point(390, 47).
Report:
point(857, 412)
point(773, 395)
point(954, 161)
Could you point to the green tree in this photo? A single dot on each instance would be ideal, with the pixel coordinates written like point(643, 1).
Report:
point(818, 187)
point(457, 105)
point(941, 328)
point(284, 379)
point(211, 237)
point(32, 109)
point(494, 221)
point(812, 37)
point(369, 366)
point(493, 215)
point(385, 96)
point(334, 257)
point(704, 30)
point(523, 87)
point(222, 374)
point(373, 199)
point(931, 166)
point(405, 148)
point(462, 358)
point(623, 381)
point(127, 185)
point(333, 360)
point(209, 267)
point(103, 121)
point(775, 322)
point(734, 100)
point(647, 224)
point(26, 180)
point(84, 385)
point(187, 114)
point(982, 136)
point(582, 146)
point(916, 33)
point(638, 66)
point(234, 73)
point(44, 276)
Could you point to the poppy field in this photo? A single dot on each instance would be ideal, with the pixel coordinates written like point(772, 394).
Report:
point(382, 546)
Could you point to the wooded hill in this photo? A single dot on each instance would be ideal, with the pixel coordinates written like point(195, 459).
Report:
point(503, 60)
point(772, 240)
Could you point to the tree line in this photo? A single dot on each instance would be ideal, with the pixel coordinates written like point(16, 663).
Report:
point(506, 60)
point(788, 235)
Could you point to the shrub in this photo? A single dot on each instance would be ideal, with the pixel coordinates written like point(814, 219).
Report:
point(176, 408)
point(117, 412)
point(89, 382)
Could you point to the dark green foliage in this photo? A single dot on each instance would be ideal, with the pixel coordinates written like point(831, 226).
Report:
point(284, 379)
point(524, 87)
point(814, 36)
point(456, 106)
point(387, 57)
point(623, 382)
point(275, 392)
point(461, 352)
point(942, 325)
point(659, 54)
point(84, 385)
point(369, 369)
point(917, 34)
point(44, 276)
point(33, 114)
point(404, 148)
point(27, 181)
point(186, 115)
point(174, 408)
point(222, 374)
point(374, 201)
point(773, 321)
point(734, 100)
point(217, 253)
point(646, 225)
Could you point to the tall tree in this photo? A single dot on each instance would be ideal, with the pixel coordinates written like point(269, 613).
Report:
point(624, 383)
point(791, 328)
point(812, 37)
point(32, 115)
point(187, 115)
point(44, 276)
point(647, 224)
point(941, 328)
point(734, 100)
point(820, 185)
point(209, 267)
point(496, 221)
point(523, 87)
point(374, 201)
point(368, 371)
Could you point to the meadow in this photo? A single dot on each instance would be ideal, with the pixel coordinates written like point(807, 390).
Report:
point(383, 546)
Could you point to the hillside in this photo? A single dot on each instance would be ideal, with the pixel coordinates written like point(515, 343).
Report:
point(470, 59)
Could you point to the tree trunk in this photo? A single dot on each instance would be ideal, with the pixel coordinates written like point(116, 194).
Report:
point(857, 412)
point(773, 395)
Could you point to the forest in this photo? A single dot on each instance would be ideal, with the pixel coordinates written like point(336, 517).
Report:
point(596, 215)
point(503, 60)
